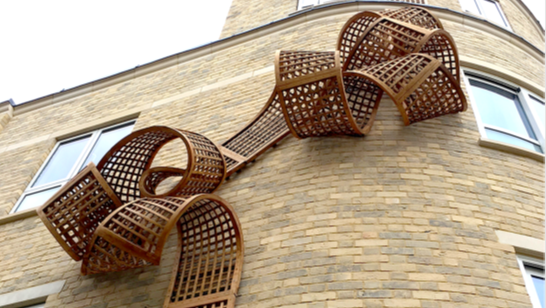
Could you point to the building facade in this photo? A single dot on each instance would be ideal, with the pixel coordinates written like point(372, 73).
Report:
point(447, 212)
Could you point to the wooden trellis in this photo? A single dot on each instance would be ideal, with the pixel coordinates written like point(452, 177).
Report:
point(113, 218)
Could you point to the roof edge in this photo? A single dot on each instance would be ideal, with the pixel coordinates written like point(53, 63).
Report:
point(212, 47)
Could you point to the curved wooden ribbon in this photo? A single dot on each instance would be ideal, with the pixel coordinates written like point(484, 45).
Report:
point(262, 133)
point(210, 245)
point(112, 217)
point(354, 28)
point(74, 213)
point(152, 177)
point(320, 97)
point(76, 210)
point(420, 86)
point(313, 98)
point(123, 166)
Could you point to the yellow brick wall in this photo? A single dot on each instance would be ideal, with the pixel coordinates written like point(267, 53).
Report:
point(245, 15)
point(405, 217)
point(249, 14)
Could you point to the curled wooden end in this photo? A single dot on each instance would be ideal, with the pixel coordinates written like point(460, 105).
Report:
point(210, 247)
point(210, 250)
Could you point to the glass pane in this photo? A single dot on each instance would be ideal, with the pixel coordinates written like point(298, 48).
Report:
point(61, 162)
point(539, 287)
point(500, 108)
point(36, 199)
point(538, 109)
point(106, 141)
point(495, 135)
point(470, 5)
point(492, 12)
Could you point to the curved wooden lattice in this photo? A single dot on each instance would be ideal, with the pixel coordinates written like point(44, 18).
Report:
point(263, 132)
point(420, 86)
point(210, 245)
point(73, 214)
point(310, 86)
point(123, 166)
point(113, 217)
point(325, 94)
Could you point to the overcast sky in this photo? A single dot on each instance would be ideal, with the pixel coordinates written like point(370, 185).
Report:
point(52, 45)
point(48, 46)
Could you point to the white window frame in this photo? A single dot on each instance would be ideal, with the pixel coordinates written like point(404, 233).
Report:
point(523, 96)
point(94, 137)
point(529, 285)
point(481, 10)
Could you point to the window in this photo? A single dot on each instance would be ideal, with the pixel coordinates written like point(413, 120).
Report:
point(66, 160)
point(507, 113)
point(488, 9)
point(533, 275)
point(303, 4)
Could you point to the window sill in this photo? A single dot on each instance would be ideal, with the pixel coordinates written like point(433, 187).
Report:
point(18, 216)
point(509, 148)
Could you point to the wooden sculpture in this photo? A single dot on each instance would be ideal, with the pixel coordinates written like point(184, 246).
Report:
point(338, 93)
point(113, 218)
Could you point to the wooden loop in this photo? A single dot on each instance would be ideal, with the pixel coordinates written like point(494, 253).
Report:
point(420, 86)
point(122, 166)
point(73, 214)
point(152, 177)
point(210, 247)
point(125, 163)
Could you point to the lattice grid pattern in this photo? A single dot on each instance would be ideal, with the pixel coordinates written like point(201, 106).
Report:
point(438, 95)
point(295, 64)
point(124, 164)
point(138, 226)
point(415, 16)
point(363, 98)
point(152, 177)
point(263, 132)
point(317, 109)
point(74, 213)
point(208, 169)
point(400, 74)
point(104, 257)
point(440, 45)
point(352, 31)
point(409, 81)
point(209, 250)
point(386, 40)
